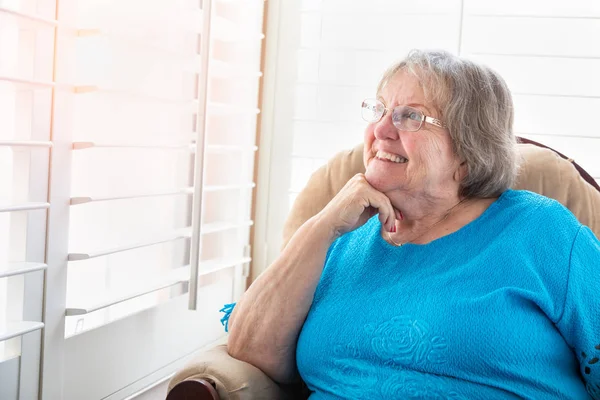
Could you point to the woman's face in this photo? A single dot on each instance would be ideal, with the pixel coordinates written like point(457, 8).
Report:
point(430, 164)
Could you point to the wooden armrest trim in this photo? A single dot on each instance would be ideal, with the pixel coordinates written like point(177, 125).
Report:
point(193, 389)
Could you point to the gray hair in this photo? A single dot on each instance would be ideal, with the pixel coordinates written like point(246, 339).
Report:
point(476, 105)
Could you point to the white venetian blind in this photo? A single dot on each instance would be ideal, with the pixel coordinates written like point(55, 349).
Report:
point(106, 107)
point(26, 46)
point(132, 154)
point(134, 127)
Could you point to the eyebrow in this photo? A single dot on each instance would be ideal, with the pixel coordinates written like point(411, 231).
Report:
point(420, 105)
point(409, 105)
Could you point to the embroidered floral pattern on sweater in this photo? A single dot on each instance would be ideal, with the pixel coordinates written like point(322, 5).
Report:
point(406, 341)
point(416, 385)
point(361, 382)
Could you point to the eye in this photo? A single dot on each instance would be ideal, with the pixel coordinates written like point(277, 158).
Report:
point(413, 115)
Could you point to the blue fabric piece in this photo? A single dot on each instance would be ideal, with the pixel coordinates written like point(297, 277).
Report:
point(227, 309)
point(506, 307)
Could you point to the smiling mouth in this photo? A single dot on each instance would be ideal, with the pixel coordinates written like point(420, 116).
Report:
point(382, 155)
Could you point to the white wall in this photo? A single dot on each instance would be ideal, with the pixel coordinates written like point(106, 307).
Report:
point(329, 55)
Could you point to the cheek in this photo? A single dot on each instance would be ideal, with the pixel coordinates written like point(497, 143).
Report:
point(442, 158)
point(431, 156)
point(369, 134)
point(435, 150)
point(369, 137)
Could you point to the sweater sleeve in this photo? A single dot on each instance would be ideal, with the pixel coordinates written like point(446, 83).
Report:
point(580, 321)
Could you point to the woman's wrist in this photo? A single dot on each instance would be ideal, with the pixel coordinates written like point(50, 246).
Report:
point(322, 226)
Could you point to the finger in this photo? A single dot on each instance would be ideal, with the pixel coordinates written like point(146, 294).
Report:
point(384, 208)
point(377, 201)
point(389, 212)
point(398, 214)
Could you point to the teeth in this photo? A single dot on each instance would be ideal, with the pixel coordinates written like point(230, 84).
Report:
point(392, 157)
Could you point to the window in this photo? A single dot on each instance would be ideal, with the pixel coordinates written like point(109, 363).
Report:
point(105, 106)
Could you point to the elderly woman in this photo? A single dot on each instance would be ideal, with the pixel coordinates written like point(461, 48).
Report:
point(427, 277)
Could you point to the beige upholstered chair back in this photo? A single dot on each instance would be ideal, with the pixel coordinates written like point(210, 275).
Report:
point(542, 171)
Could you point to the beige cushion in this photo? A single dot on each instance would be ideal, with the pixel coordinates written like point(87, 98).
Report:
point(542, 171)
point(234, 379)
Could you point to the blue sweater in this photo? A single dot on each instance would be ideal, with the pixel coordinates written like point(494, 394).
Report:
point(506, 307)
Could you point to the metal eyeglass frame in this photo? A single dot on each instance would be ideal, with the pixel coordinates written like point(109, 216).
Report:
point(429, 120)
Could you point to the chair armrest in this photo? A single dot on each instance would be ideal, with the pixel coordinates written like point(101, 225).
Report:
point(231, 379)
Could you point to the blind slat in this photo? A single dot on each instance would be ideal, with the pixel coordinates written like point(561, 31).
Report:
point(228, 31)
point(186, 233)
point(24, 207)
point(183, 234)
point(19, 328)
point(19, 268)
point(29, 17)
point(87, 89)
point(211, 266)
point(83, 200)
point(184, 191)
point(177, 276)
point(229, 109)
point(136, 42)
point(27, 82)
point(224, 226)
point(232, 70)
point(25, 143)
point(216, 188)
point(226, 149)
point(89, 145)
point(191, 147)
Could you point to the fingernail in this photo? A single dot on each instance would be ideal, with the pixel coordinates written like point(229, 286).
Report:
point(393, 230)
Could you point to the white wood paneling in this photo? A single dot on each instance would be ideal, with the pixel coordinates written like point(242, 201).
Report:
point(356, 9)
point(531, 36)
point(332, 137)
point(311, 30)
point(308, 65)
point(549, 76)
point(386, 32)
point(301, 171)
point(537, 8)
point(355, 67)
point(305, 102)
point(556, 115)
point(549, 54)
point(321, 102)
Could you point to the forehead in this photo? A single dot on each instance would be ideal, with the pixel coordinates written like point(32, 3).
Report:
point(403, 88)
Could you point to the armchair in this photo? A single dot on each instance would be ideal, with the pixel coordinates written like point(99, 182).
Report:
point(217, 376)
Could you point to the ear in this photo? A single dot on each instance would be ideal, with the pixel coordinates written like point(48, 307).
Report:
point(461, 172)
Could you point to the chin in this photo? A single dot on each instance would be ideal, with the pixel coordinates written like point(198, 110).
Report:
point(380, 182)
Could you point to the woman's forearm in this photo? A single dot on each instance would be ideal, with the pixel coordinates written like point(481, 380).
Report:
point(266, 322)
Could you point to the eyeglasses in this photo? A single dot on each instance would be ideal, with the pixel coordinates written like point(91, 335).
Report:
point(404, 118)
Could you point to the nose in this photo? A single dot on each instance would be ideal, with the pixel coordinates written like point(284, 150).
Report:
point(385, 129)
